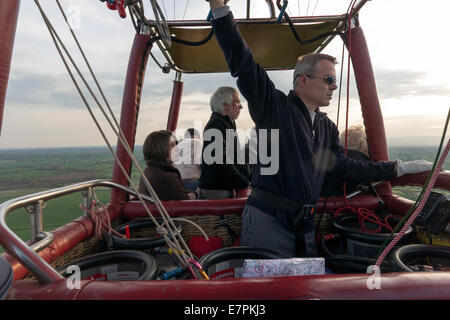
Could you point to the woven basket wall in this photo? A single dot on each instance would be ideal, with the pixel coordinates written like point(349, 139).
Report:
point(207, 223)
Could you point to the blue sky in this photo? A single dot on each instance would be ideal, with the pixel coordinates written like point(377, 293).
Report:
point(43, 109)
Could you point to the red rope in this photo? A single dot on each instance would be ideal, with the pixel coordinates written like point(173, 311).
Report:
point(340, 84)
point(365, 215)
point(362, 212)
point(348, 89)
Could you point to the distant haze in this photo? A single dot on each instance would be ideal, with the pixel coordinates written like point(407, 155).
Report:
point(417, 141)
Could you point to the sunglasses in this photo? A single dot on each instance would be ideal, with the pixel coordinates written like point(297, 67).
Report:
point(328, 80)
point(173, 143)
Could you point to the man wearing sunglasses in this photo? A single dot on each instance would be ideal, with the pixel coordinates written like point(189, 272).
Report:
point(280, 210)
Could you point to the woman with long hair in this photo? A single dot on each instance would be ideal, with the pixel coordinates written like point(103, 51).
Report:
point(160, 172)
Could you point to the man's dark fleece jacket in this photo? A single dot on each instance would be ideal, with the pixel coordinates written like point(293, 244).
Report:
point(306, 151)
point(227, 175)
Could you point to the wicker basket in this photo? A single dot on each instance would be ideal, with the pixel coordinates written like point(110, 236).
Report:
point(83, 249)
point(212, 225)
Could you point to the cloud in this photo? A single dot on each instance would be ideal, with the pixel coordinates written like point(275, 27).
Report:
point(57, 89)
point(400, 84)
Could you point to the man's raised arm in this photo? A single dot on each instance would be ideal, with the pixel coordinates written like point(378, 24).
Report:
point(252, 80)
point(215, 4)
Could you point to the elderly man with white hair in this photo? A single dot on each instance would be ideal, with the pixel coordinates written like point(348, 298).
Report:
point(222, 171)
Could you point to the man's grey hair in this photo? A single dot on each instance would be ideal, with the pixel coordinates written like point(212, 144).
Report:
point(220, 96)
point(307, 64)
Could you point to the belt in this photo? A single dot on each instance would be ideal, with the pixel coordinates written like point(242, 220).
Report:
point(303, 220)
point(283, 203)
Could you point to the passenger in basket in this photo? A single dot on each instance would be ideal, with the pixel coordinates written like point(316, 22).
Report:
point(279, 214)
point(189, 158)
point(223, 166)
point(162, 175)
point(357, 149)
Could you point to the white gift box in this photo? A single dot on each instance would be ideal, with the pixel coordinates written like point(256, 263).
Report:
point(254, 268)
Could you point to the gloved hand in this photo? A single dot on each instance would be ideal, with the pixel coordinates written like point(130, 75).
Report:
point(412, 167)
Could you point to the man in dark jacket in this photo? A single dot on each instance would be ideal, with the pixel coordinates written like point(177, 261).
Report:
point(223, 170)
point(280, 210)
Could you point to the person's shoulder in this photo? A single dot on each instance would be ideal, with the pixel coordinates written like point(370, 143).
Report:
point(158, 168)
point(357, 155)
point(323, 116)
point(217, 121)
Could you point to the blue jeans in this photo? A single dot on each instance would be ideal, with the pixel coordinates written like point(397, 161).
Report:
point(261, 230)
point(191, 185)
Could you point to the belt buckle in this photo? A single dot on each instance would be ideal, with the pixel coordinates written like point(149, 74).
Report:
point(308, 209)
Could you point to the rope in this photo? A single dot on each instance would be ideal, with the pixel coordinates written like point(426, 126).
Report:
point(349, 38)
point(340, 83)
point(102, 222)
point(419, 208)
point(362, 213)
point(420, 199)
point(185, 9)
point(315, 6)
point(349, 49)
point(164, 6)
point(183, 257)
point(366, 214)
point(304, 42)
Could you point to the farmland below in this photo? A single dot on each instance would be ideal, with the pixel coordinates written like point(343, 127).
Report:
point(24, 172)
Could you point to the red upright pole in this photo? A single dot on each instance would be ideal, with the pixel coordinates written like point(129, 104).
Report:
point(130, 110)
point(177, 93)
point(9, 12)
point(370, 105)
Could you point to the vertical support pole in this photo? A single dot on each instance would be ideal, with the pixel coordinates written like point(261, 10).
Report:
point(37, 221)
point(137, 64)
point(177, 93)
point(9, 12)
point(370, 105)
point(87, 199)
point(248, 9)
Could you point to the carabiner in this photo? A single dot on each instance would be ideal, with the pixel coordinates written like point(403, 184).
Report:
point(117, 5)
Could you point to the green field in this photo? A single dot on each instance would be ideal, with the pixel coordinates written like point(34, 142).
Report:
point(24, 172)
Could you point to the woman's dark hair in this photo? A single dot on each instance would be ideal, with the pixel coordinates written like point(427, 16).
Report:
point(157, 146)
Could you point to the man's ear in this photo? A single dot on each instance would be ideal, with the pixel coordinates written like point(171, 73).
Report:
point(302, 80)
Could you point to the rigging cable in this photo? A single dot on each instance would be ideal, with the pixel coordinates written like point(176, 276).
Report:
point(362, 213)
point(297, 37)
point(185, 9)
point(291, 25)
point(347, 206)
point(340, 83)
point(164, 7)
point(317, 1)
point(120, 136)
point(144, 20)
